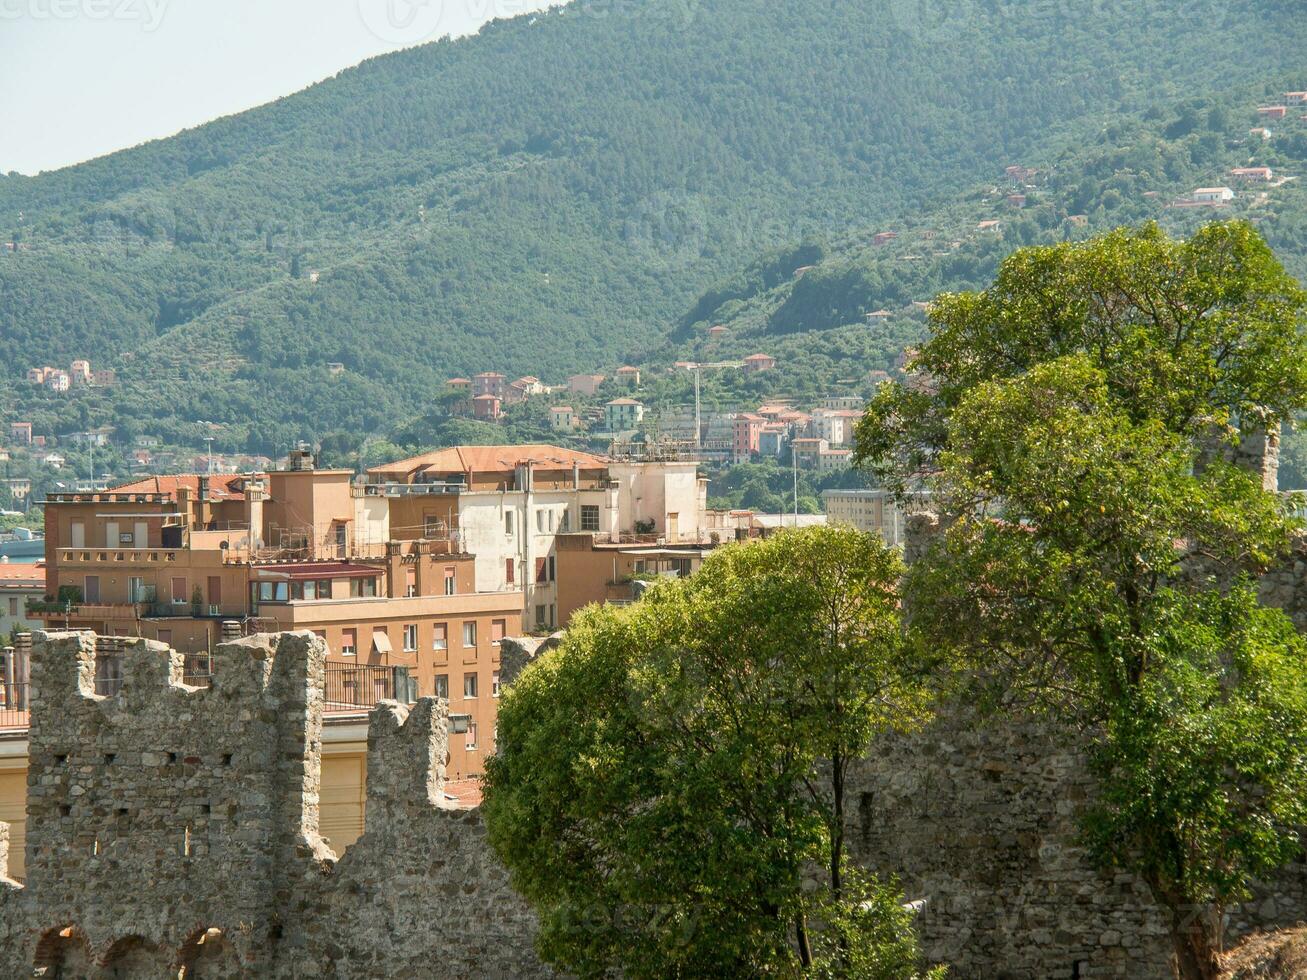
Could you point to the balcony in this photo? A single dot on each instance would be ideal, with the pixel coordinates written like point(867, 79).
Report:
point(409, 489)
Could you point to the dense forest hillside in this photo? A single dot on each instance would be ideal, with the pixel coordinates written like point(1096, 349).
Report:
point(553, 195)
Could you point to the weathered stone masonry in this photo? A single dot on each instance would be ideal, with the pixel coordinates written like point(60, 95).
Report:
point(174, 828)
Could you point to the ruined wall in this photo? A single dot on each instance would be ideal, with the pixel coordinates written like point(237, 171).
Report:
point(980, 820)
point(174, 828)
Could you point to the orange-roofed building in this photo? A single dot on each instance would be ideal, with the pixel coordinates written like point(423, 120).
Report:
point(628, 375)
point(759, 362)
point(19, 584)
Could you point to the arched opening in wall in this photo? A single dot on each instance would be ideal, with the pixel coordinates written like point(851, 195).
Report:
point(63, 954)
point(134, 958)
point(210, 955)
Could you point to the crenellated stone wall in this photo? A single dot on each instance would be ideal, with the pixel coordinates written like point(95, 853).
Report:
point(175, 829)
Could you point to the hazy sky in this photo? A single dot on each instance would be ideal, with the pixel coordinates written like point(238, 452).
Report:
point(80, 78)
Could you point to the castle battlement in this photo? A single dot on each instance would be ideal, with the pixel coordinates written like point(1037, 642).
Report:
point(175, 827)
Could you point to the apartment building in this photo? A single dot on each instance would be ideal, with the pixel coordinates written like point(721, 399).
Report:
point(190, 559)
point(872, 511)
point(19, 585)
point(508, 506)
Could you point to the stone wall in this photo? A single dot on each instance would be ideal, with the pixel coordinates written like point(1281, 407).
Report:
point(980, 821)
point(176, 828)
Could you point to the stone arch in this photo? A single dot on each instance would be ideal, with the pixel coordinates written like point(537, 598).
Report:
point(63, 953)
point(209, 955)
point(135, 958)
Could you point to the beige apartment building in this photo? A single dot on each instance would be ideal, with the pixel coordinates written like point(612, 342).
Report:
point(188, 560)
point(873, 511)
point(509, 506)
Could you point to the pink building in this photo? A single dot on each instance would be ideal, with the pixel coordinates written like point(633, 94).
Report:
point(745, 430)
point(585, 384)
point(486, 407)
point(489, 383)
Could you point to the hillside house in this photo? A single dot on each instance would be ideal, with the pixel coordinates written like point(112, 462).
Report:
point(585, 384)
point(1260, 132)
point(807, 451)
point(629, 376)
point(1019, 174)
point(878, 316)
point(745, 431)
point(1295, 98)
point(1213, 195)
point(991, 224)
point(759, 362)
point(623, 414)
point(487, 408)
point(1273, 111)
point(1016, 201)
point(335, 368)
point(718, 331)
point(884, 237)
point(1252, 174)
point(58, 381)
point(104, 378)
point(772, 440)
point(562, 418)
point(20, 433)
point(489, 383)
point(80, 372)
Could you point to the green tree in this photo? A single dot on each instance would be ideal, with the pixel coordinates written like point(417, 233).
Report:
point(1077, 422)
point(679, 764)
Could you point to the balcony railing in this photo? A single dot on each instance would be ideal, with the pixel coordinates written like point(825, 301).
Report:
point(411, 489)
point(14, 704)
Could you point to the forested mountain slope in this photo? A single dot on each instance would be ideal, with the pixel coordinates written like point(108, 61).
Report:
point(550, 195)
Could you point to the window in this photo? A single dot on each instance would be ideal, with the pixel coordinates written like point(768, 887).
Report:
point(451, 583)
point(469, 634)
point(589, 517)
point(411, 582)
point(270, 591)
point(432, 526)
point(349, 640)
point(341, 540)
point(565, 521)
point(540, 520)
point(541, 613)
point(362, 588)
point(469, 686)
point(324, 588)
point(13, 606)
point(494, 684)
point(510, 570)
point(165, 636)
point(410, 637)
point(497, 628)
point(471, 736)
point(77, 533)
point(553, 568)
point(542, 570)
point(91, 590)
point(508, 522)
point(442, 686)
point(381, 640)
point(439, 636)
point(178, 591)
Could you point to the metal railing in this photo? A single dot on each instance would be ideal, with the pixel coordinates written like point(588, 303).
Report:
point(14, 704)
point(364, 685)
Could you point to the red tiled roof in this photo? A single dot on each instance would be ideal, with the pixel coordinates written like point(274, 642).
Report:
point(14, 574)
point(759, 357)
point(221, 485)
point(465, 793)
point(490, 459)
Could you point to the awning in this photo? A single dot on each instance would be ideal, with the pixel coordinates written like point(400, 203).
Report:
point(381, 642)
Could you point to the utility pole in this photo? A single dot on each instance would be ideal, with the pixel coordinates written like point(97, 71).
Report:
point(794, 458)
point(698, 422)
